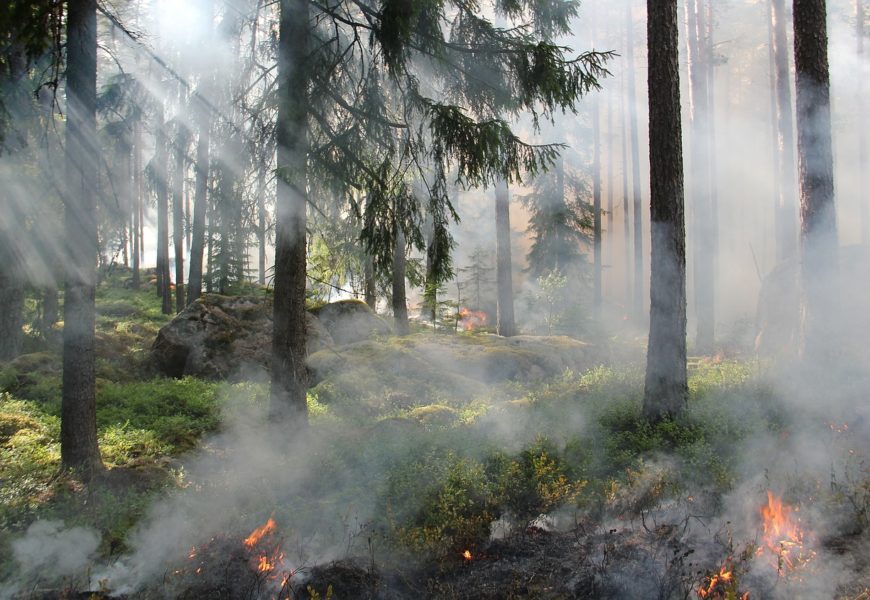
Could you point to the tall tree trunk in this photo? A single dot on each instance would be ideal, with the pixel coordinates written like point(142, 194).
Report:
point(137, 201)
point(596, 205)
point(50, 307)
point(785, 221)
point(161, 177)
point(261, 222)
point(504, 272)
point(178, 215)
point(699, 144)
point(78, 422)
point(200, 201)
point(626, 208)
point(709, 68)
point(610, 196)
point(369, 291)
point(863, 208)
point(637, 305)
point(289, 371)
point(400, 305)
point(816, 168)
point(666, 388)
point(11, 288)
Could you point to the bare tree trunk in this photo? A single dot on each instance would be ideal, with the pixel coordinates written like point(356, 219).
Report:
point(200, 201)
point(637, 306)
point(178, 215)
point(666, 387)
point(369, 283)
point(137, 201)
point(78, 423)
point(11, 290)
point(709, 65)
point(610, 196)
point(261, 223)
point(289, 372)
point(626, 209)
point(596, 206)
point(816, 169)
point(785, 220)
point(504, 272)
point(699, 143)
point(863, 208)
point(161, 176)
point(400, 306)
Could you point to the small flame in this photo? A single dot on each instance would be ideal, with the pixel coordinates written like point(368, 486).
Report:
point(782, 534)
point(260, 532)
point(721, 585)
point(472, 319)
point(467, 555)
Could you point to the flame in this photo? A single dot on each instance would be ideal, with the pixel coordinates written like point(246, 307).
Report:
point(782, 535)
point(260, 532)
point(467, 555)
point(472, 319)
point(721, 585)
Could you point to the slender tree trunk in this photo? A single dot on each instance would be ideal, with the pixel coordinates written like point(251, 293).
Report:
point(863, 208)
point(289, 371)
point(610, 196)
point(200, 201)
point(78, 422)
point(635, 172)
point(504, 272)
point(50, 307)
point(816, 168)
point(369, 283)
point(137, 201)
point(261, 223)
point(11, 292)
point(178, 215)
point(785, 220)
point(709, 65)
point(400, 306)
point(699, 141)
point(666, 388)
point(626, 209)
point(596, 205)
point(161, 176)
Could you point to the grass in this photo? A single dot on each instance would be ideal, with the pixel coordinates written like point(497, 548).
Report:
point(435, 469)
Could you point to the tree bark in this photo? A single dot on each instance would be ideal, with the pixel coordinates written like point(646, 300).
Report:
point(289, 372)
point(178, 215)
point(637, 305)
point(505, 325)
point(626, 208)
point(666, 386)
point(261, 222)
point(200, 201)
point(369, 292)
point(596, 205)
point(400, 305)
point(11, 294)
point(161, 185)
point(816, 169)
point(863, 208)
point(78, 424)
point(700, 189)
point(785, 221)
point(137, 201)
point(610, 195)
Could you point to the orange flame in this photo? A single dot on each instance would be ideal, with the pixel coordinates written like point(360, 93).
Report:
point(472, 319)
point(721, 585)
point(467, 555)
point(260, 532)
point(782, 535)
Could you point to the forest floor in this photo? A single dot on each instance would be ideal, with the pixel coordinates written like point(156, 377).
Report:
point(554, 488)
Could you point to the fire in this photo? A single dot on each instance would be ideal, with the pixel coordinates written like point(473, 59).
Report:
point(259, 533)
point(467, 555)
point(782, 535)
point(721, 585)
point(472, 319)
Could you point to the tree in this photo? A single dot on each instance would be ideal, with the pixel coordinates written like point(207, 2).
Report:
point(179, 171)
point(78, 428)
point(862, 131)
point(666, 386)
point(505, 325)
point(200, 199)
point(785, 214)
point(637, 299)
point(816, 169)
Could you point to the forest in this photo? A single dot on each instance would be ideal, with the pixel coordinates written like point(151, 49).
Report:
point(448, 299)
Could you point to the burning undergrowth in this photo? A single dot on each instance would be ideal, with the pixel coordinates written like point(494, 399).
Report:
point(560, 491)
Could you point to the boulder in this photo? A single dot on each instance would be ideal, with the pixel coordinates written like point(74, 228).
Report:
point(221, 337)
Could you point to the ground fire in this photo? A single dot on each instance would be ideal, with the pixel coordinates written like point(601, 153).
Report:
point(783, 539)
point(470, 320)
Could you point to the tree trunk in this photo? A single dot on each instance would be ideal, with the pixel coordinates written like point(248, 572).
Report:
point(504, 272)
point(137, 201)
point(289, 371)
point(50, 307)
point(666, 388)
point(200, 201)
point(816, 169)
point(261, 223)
point(161, 185)
point(637, 305)
point(178, 215)
point(610, 196)
point(699, 144)
point(369, 283)
point(863, 208)
point(11, 292)
point(626, 209)
point(709, 68)
point(596, 205)
point(78, 422)
point(784, 216)
point(400, 306)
